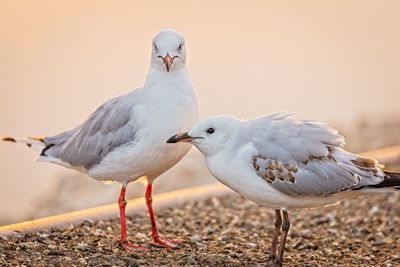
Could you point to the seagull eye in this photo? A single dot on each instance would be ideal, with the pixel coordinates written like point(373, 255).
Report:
point(180, 47)
point(210, 130)
point(155, 47)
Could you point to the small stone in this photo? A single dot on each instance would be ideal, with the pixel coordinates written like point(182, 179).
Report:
point(379, 242)
point(82, 261)
point(299, 245)
point(252, 245)
point(164, 261)
point(50, 242)
point(322, 220)
point(82, 246)
point(118, 262)
point(195, 237)
point(374, 210)
point(188, 260)
point(131, 262)
point(396, 257)
point(43, 235)
point(51, 246)
point(88, 222)
point(140, 235)
point(302, 246)
point(306, 234)
point(224, 238)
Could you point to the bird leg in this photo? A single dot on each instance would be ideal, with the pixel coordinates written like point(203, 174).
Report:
point(285, 230)
point(278, 223)
point(124, 239)
point(157, 240)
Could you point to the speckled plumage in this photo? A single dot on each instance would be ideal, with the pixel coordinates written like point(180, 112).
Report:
point(285, 163)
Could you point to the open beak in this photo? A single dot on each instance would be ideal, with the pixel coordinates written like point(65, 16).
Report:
point(184, 137)
point(168, 61)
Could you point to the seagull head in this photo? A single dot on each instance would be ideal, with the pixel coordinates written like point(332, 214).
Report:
point(169, 51)
point(211, 135)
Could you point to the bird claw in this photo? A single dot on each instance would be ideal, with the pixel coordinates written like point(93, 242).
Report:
point(128, 246)
point(273, 262)
point(165, 242)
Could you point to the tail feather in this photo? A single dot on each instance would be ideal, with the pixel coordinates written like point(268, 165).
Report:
point(36, 143)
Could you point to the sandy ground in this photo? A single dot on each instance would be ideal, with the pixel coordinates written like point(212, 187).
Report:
point(225, 232)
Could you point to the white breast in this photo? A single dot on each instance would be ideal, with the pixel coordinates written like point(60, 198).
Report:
point(239, 175)
point(161, 115)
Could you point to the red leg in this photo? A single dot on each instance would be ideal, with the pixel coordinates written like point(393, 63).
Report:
point(157, 240)
point(124, 239)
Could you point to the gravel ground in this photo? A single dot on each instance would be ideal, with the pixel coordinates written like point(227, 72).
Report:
point(225, 232)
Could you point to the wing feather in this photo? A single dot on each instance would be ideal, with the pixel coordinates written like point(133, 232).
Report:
point(312, 156)
point(108, 127)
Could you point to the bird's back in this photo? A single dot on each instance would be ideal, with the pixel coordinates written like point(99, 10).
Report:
point(302, 157)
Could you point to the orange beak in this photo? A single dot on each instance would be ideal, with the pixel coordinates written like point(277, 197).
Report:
point(167, 61)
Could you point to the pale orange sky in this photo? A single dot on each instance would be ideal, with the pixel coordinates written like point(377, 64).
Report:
point(326, 60)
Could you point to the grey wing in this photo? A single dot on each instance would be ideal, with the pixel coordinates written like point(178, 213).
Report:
point(306, 158)
point(108, 127)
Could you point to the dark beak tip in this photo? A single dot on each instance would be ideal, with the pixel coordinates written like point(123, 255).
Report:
point(172, 140)
point(179, 138)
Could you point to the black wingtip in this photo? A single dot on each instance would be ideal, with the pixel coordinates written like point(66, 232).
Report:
point(392, 180)
point(9, 139)
point(43, 153)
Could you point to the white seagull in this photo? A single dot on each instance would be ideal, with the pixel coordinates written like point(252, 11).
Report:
point(286, 164)
point(124, 139)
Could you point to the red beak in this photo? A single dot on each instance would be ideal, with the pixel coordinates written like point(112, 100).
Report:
point(167, 61)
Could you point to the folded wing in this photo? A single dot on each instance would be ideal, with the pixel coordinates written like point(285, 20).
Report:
point(108, 127)
point(302, 157)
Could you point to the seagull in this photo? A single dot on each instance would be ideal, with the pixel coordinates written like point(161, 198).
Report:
point(286, 164)
point(123, 140)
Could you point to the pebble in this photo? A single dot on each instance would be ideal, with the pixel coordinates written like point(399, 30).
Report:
point(195, 237)
point(82, 261)
point(52, 246)
point(378, 242)
point(118, 262)
point(140, 236)
point(252, 245)
point(188, 260)
point(302, 246)
point(131, 262)
point(224, 238)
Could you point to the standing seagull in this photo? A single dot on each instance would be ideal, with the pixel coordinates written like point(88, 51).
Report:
point(124, 139)
point(285, 164)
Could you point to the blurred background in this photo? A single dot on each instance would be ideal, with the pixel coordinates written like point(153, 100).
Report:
point(335, 61)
